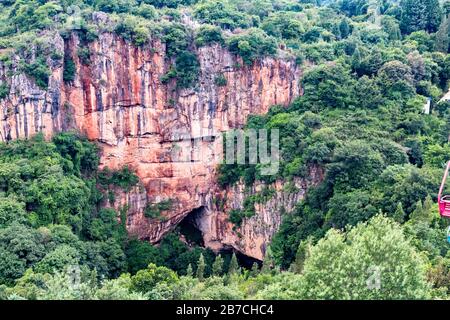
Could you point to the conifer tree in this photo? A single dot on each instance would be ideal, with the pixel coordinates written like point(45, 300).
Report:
point(233, 268)
point(217, 267)
point(268, 262)
point(302, 254)
point(418, 212)
point(344, 29)
point(356, 59)
point(201, 267)
point(442, 42)
point(399, 213)
point(189, 271)
point(255, 270)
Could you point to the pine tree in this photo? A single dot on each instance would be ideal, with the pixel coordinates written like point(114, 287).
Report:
point(201, 267)
point(418, 213)
point(189, 271)
point(233, 268)
point(344, 28)
point(217, 267)
point(255, 270)
point(399, 214)
point(442, 42)
point(428, 206)
point(302, 254)
point(434, 17)
point(356, 59)
point(268, 262)
point(336, 31)
point(420, 15)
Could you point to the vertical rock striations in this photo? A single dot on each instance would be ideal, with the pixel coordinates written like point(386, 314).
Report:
point(117, 99)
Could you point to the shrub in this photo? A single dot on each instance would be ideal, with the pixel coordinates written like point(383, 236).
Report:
point(133, 29)
point(123, 178)
point(69, 69)
point(38, 70)
point(220, 80)
point(4, 90)
point(209, 34)
point(84, 55)
point(187, 69)
point(252, 45)
point(154, 210)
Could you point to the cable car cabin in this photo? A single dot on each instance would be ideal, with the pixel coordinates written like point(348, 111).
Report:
point(444, 201)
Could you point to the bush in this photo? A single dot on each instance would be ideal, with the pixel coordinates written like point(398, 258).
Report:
point(85, 55)
point(187, 69)
point(154, 211)
point(38, 70)
point(209, 34)
point(69, 69)
point(123, 178)
point(252, 44)
point(4, 90)
point(133, 29)
point(220, 80)
point(223, 14)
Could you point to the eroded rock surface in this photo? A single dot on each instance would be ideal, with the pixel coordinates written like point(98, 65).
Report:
point(118, 100)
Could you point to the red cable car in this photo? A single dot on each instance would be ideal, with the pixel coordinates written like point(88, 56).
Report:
point(444, 201)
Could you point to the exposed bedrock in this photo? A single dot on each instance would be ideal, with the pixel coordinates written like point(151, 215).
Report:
point(118, 100)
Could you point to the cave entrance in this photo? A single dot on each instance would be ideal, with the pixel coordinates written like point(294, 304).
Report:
point(191, 234)
point(189, 230)
point(244, 261)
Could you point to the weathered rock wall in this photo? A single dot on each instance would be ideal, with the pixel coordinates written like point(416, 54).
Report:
point(118, 100)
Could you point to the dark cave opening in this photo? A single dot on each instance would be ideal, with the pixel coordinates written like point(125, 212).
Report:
point(244, 261)
point(191, 234)
point(189, 230)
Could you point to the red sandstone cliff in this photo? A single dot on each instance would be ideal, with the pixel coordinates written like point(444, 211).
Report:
point(119, 101)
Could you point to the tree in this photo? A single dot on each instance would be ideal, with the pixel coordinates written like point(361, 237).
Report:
point(201, 268)
point(399, 214)
point(255, 270)
point(356, 59)
point(26, 243)
point(140, 254)
point(268, 262)
point(344, 28)
point(58, 260)
point(424, 212)
point(11, 210)
point(420, 15)
point(233, 268)
point(442, 42)
point(418, 213)
point(252, 45)
point(396, 79)
point(391, 27)
point(11, 267)
point(349, 208)
point(373, 260)
point(189, 271)
point(118, 289)
point(217, 267)
point(146, 279)
point(301, 256)
point(327, 86)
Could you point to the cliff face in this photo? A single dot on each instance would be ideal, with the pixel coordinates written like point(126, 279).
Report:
point(170, 137)
point(256, 232)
